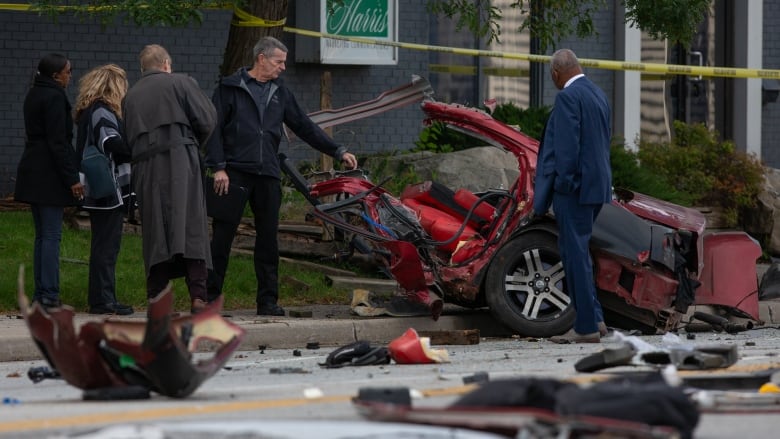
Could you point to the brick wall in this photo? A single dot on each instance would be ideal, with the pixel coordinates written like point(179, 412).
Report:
point(596, 47)
point(198, 50)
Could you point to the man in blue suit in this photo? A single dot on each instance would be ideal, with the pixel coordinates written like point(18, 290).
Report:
point(573, 175)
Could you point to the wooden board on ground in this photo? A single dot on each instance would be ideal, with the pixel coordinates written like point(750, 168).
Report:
point(295, 283)
point(375, 285)
point(301, 228)
point(318, 267)
point(452, 337)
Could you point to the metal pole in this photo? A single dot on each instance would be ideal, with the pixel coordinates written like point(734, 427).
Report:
point(536, 71)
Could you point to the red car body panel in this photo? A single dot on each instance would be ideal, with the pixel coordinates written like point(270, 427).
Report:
point(728, 276)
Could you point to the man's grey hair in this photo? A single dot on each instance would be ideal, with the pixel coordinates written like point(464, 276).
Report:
point(266, 45)
point(564, 60)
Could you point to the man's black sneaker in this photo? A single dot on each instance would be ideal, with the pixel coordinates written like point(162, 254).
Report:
point(269, 309)
point(112, 308)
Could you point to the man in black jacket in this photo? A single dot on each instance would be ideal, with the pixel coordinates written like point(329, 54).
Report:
point(252, 106)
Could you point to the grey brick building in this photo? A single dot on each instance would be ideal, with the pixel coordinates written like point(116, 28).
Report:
point(198, 50)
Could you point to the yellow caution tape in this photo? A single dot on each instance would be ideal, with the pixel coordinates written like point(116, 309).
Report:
point(14, 7)
point(23, 7)
point(246, 19)
point(654, 68)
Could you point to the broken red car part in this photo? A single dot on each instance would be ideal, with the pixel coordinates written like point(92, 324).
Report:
point(157, 354)
point(652, 259)
point(410, 348)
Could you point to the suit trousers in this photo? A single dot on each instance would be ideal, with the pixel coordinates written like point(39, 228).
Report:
point(106, 226)
point(575, 225)
point(265, 199)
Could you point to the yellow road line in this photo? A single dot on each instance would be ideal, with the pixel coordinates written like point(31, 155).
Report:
point(194, 409)
point(155, 413)
point(149, 414)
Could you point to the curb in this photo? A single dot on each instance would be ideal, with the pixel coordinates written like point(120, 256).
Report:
point(296, 333)
point(288, 332)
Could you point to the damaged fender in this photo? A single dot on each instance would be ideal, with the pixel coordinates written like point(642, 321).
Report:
point(157, 354)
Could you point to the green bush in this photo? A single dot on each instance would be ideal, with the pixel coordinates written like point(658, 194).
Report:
point(530, 120)
point(438, 138)
point(628, 174)
point(710, 171)
point(400, 176)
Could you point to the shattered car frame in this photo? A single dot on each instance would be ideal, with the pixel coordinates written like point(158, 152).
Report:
point(156, 354)
point(652, 259)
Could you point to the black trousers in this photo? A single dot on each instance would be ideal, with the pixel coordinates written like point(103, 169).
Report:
point(265, 199)
point(106, 228)
point(194, 271)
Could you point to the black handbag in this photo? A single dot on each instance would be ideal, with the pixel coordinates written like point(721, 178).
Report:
point(97, 169)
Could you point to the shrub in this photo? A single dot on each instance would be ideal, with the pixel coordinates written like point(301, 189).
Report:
point(530, 120)
point(438, 138)
point(710, 171)
point(628, 174)
point(401, 175)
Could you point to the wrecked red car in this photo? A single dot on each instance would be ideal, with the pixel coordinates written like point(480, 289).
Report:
point(652, 259)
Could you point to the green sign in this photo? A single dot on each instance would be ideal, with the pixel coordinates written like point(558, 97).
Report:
point(360, 18)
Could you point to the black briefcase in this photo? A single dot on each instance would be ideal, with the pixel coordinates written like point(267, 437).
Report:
point(228, 207)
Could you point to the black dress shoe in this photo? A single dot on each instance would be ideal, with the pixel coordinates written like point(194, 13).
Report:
point(269, 309)
point(572, 337)
point(112, 308)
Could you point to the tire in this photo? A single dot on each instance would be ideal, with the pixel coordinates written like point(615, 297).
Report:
point(525, 288)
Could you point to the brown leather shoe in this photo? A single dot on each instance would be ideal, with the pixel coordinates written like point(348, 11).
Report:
point(572, 337)
point(198, 305)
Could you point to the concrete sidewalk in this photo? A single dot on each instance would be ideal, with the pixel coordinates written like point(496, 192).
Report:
point(329, 325)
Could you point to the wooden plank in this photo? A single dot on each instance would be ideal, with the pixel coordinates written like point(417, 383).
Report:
point(301, 228)
point(452, 337)
point(296, 283)
point(318, 267)
point(375, 285)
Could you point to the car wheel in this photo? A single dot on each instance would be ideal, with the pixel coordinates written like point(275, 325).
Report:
point(525, 286)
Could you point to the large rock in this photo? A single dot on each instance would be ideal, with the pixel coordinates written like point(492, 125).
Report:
point(763, 221)
point(476, 169)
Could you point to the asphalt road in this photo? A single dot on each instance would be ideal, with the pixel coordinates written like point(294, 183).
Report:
point(277, 393)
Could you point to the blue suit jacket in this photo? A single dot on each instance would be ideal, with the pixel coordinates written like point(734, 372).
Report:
point(574, 156)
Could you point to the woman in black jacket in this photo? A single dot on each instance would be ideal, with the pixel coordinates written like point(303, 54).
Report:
point(47, 177)
point(98, 112)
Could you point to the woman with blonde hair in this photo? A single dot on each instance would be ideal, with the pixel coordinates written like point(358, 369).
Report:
point(98, 112)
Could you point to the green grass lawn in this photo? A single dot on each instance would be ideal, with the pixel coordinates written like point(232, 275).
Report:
point(16, 248)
